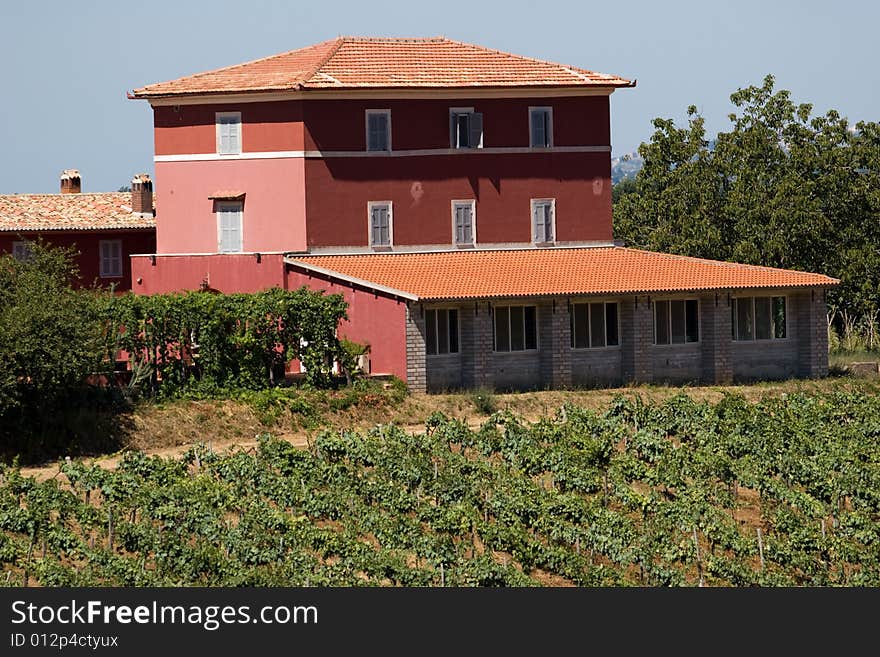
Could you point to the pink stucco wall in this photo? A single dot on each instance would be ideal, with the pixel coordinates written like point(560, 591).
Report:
point(274, 204)
point(375, 319)
point(224, 273)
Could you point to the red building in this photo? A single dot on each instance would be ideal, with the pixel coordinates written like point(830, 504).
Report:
point(105, 228)
point(460, 198)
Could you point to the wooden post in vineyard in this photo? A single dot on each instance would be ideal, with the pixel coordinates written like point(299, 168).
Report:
point(699, 562)
point(760, 548)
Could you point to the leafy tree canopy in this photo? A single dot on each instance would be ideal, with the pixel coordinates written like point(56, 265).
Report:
point(782, 188)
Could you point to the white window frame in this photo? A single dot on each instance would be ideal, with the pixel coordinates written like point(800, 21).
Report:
point(669, 322)
point(735, 328)
point(20, 250)
point(103, 270)
point(472, 203)
point(437, 354)
point(532, 205)
point(454, 111)
point(370, 206)
point(218, 116)
point(509, 332)
point(225, 206)
point(549, 136)
point(587, 302)
point(377, 112)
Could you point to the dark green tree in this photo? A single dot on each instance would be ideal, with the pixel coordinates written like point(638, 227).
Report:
point(781, 188)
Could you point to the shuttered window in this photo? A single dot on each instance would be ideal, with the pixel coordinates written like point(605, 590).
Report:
point(111, 258)
point(543, 211)
point(540, 127)
point(465, 128)
point(380, 223)
point(229, 133)
point(21, 251)
point(463, 222)
point(229, 228)
point(378, 130)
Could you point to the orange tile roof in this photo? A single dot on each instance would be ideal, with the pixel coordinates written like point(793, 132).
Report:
point(97, 211)
point(360, 62)
point(552, 271)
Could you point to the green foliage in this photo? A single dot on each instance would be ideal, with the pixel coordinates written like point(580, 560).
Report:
point(197, 339)
point(644, 493)
point(484, 401)
point(781, 188)
point(51, 340)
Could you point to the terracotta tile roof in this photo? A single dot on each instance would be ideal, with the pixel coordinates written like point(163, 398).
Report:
point(554, 271)
point(359, 62)
point(34, 212)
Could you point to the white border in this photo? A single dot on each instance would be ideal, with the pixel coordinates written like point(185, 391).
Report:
point(367, 114)
point(532, 203)
point(549, 110)
point(370, 206)
point(217, 209)
point(227, 115)
point(101, 272)
point(473, 204)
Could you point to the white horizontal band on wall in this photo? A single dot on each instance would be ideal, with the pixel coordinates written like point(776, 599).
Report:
point(278, 155)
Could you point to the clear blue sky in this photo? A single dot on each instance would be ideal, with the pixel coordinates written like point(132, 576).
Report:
point(67, 65)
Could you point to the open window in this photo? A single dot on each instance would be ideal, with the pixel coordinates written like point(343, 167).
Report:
point(465, 128)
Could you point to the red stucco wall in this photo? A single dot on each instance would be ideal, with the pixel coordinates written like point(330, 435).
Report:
point(372, 318)
point(272, 126)
point(339, 124)
point(225, 273)
point(89, 258)
point(422, 188)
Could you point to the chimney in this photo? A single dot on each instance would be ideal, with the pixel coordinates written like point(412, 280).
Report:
point(70, 182)
point(142, 194)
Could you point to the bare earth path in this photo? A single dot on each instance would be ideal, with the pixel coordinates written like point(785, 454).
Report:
point(170, 429)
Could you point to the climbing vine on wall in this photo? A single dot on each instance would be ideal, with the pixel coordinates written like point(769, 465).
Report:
point(175, 341)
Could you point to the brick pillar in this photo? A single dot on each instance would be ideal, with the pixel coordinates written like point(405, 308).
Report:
point(476, 345)
point(416, 366)
point(142, 195)
point(554, 343)
point(636, 338)
point(715, 339)
point(811, 332)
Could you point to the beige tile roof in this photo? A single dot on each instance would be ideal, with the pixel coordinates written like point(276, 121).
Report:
point(35, 212)
point(361, 62)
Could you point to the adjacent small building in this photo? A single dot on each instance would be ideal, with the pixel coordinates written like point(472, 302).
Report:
point(460, 199)
point(105, 228)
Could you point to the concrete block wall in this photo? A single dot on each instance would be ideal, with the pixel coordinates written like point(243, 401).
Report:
point(416, 365)
point(554, 343)
point(715, 339)
point(477, 343)
point(636, 338)
point(716, 358)
point(811, 312)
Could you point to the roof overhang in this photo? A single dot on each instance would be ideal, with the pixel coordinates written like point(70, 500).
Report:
point(351, 280)
point(377, 93)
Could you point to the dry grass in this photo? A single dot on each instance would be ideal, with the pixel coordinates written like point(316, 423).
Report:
point(168, 429)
